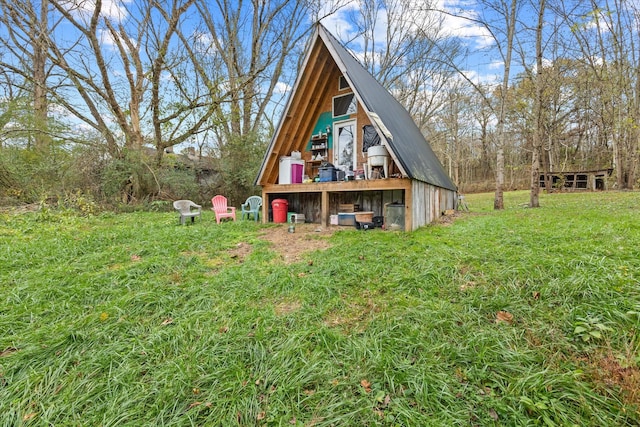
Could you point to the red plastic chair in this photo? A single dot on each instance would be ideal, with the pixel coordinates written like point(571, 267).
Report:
point(221, 209)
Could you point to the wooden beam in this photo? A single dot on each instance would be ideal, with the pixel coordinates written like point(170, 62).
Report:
point(408, 209)
point(308, 107)
point(340, 186)
point(305, 113)
point(265, 206)
point(306, 92)
point(324, 206)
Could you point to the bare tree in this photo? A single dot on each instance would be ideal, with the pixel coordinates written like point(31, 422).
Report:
point(482, 113)
point(134, 86)
point(534, 199)
point(132, 74)
point(499, 19)
point(25, 44)
point(604, 35)
point(509, 13)
point(401, 42)
point(255, 41)
point(451, 130)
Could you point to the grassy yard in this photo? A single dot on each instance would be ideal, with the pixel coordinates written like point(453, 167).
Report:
point(519, 317)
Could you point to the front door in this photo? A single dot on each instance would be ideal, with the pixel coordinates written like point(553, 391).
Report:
point(344, 153)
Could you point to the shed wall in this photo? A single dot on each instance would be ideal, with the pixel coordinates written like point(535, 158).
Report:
point(429, 202)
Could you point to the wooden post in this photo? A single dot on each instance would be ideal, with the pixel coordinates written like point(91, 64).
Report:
point(324, 208)
point(408, 208)
point(265, 207)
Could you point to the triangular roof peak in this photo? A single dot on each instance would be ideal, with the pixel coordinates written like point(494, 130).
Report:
point(406, 144)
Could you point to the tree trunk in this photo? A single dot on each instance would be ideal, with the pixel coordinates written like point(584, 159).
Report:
point(498, 202)
point(40, 102)
point(534, 198)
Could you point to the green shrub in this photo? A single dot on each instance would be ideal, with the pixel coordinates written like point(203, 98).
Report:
point(128, 179)
point(240, 160)
point(29, 174)
point(178, 183)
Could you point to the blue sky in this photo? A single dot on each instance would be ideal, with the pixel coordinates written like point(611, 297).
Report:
point(457, 22)
point(482, 64)
point(480, 67)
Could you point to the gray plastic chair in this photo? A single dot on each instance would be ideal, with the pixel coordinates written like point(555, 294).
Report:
point(184, 207)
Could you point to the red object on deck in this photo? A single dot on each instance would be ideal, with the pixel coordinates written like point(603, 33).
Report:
point(280, 208)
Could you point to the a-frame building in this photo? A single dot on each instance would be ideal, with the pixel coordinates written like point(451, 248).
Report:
point(338, 116)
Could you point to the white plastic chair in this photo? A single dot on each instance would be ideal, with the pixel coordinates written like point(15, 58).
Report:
point(184, 207)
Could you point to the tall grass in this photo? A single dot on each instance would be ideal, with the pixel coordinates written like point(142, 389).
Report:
point(518, 317)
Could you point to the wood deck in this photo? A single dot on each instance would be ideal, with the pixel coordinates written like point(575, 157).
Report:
point(325, 189)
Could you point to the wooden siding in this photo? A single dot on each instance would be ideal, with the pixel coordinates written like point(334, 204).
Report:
point(315, 91)
point(593, 180)
point(428, 203)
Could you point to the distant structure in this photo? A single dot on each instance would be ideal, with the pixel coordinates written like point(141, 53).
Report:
point(592, 180)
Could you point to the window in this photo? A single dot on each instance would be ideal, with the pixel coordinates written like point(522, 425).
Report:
point(344, 104)
point(342, 83)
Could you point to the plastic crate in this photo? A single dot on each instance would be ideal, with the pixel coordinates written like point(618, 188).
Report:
point(297, 218)
point(327, 174)
point(347, 219)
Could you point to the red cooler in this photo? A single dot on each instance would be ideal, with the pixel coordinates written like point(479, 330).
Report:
point(280, 208)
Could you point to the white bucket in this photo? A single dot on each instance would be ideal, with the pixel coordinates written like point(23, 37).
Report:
point(377, 154)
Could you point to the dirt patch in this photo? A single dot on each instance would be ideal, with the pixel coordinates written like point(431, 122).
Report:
point(355, 315)
point(622, 374)
point(285, 307)
point(240, 251)
point(449, 217)
point(292, 246)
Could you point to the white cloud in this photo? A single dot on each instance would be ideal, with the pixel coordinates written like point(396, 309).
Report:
point(338, 23)
point(206, 39)
point(460, 21)
point(483, 79)
point(282, 88)
point(114, 9)
point(106, 39)
point(458, 18)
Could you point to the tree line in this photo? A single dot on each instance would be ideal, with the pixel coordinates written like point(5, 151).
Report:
point(94, 94)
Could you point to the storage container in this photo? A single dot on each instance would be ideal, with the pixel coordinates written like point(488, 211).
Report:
point(364, 216)
point(347, 219)
point(394, 217)
point(378, 221)
point(290, 170)
point(297, 170)
point(297, 218)
point(348, 207)
point(327, 174)
point(279, 207)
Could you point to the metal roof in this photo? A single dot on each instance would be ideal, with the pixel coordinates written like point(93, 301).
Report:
point(402, 135)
